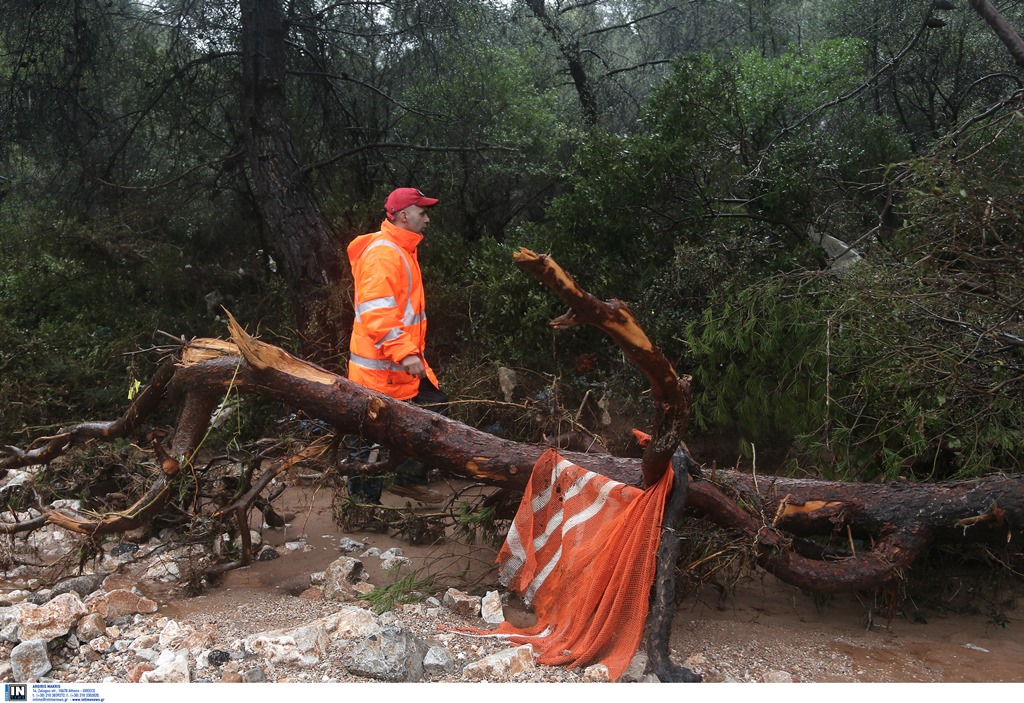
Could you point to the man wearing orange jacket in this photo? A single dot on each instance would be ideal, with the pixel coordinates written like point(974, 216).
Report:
point(386, 351)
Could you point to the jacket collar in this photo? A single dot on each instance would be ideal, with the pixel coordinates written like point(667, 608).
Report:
point(403, 237)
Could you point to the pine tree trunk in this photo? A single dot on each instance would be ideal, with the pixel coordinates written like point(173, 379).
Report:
point(310, 259)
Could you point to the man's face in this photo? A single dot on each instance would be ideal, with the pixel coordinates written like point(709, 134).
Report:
point(413, 218)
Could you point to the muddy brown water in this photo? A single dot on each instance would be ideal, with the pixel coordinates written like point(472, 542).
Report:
point(312, 527)
point(761, 618)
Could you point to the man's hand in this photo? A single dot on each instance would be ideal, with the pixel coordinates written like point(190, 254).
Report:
point(413, 366)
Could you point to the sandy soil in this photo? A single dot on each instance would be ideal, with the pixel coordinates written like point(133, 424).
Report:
point(758, 630)
point(768, 625)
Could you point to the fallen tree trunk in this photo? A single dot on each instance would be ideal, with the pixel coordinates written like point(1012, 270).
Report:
point(894, 523)
point(903, 518)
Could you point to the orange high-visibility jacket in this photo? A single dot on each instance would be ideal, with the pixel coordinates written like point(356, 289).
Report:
point(391, 316)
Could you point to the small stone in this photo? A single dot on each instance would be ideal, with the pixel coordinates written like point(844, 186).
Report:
point(135, 675)
point(363, 587)
point(437, 660)
point(55, 618)
point(462, 603)
point(30, 660)
point(597, 673)
point(146, 641)
point(218, 657)
point(635, 671)
point(347, 544)
point(491, 608)
point(268, 553)
point(39, 597)
point(112, 605)
point(91, 626)
point(394, 563)
point(101, 644)
point(17, 596)
point(507, 662)
point(254, 675)
point(171, 667)
point(82, 585)
point(124, 549)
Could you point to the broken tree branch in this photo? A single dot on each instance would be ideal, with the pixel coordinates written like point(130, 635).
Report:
point(896, 521)
point(671, 392)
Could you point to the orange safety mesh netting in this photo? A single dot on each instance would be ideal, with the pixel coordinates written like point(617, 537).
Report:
point(583, 549)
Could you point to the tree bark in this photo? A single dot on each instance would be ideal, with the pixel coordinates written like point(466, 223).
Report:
point(310, 258)
point(1006, 33)
point(870, 532)
point(778, 513)
point(671, 393)
point(570, 51)
point(663, 597)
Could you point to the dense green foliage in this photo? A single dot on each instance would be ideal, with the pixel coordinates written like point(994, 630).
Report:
point(898, 367)
point(729, 140)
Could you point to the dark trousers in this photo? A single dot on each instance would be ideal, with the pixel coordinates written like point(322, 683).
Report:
point(367, 489)
point(431, 397)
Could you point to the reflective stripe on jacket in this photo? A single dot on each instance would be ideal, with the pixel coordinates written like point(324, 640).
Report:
point(391, 318)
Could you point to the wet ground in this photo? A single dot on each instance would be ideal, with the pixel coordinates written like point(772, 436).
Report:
point(758, 625)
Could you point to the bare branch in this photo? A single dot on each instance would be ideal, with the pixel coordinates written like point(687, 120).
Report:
point(403, 145)
point(887, 66)
point(623, 25)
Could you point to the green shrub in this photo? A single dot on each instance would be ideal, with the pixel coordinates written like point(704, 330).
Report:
point(79, 302)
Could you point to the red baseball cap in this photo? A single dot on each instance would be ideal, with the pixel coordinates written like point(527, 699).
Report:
point(402, 198)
